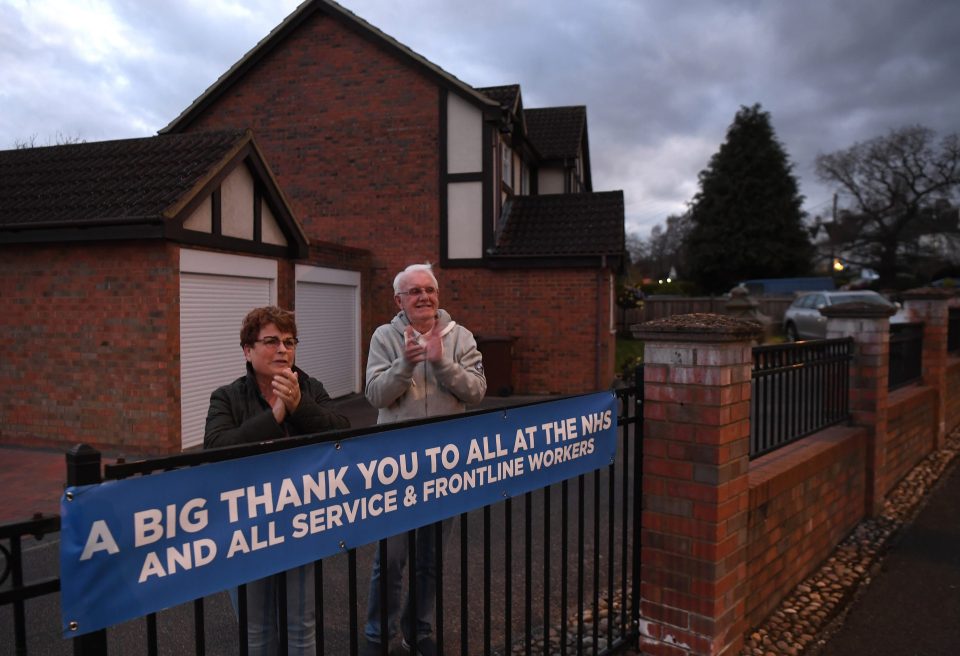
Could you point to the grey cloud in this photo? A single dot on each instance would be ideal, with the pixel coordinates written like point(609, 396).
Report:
point(662, 80)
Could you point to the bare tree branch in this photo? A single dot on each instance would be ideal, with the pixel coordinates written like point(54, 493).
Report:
point(896, 186)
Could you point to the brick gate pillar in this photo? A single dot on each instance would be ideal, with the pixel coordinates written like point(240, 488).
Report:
point(869, 325)
point(931, 306)
point(697, 371)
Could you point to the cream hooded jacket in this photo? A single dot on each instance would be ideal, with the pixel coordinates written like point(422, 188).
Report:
point(404, 391)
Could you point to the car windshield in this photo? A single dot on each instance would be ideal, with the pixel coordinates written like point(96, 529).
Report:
point(873, 299)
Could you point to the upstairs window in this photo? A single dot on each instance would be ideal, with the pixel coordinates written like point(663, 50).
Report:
point(506, 165)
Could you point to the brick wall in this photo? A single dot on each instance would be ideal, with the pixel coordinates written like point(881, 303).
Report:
point(352, 133)
point(804, 499)
point(557, 317)
point(910, 431)
point(92, 343)
point(953, 400)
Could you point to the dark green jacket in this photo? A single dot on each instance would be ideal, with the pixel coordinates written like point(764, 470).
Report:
point(239, 414)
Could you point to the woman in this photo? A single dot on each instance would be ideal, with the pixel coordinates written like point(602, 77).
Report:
point(274, 399)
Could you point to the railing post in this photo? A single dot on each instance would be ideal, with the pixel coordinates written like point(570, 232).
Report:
point(869, 326)
point(697, 372)
point(636, 556)
point(83, 468)
point(930, 305)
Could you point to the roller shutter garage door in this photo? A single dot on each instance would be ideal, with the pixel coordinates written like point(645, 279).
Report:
point(212, 308)
point(328, 323)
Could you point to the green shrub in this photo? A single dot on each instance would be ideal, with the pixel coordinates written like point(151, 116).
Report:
point(629, 355)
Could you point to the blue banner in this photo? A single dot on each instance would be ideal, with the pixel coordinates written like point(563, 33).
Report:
point(139, 545)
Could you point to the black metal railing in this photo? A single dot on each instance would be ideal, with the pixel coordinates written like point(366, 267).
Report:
point(15, 590)
point(906, 354)
point(798, 389)
point(524, 573)
point(953, 330)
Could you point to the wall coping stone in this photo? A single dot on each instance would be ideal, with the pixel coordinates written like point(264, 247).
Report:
point(698, 327)
point(858, 310)
point(927, 294)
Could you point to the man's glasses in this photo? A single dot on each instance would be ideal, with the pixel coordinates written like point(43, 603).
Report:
point(289, 343)
point(416, 291)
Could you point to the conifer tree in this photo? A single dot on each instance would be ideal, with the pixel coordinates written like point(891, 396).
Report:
point(747, 220)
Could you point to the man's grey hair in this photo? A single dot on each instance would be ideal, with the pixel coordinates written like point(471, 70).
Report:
point(426, 267)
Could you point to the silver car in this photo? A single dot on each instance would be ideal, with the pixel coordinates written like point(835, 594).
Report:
point(802, 320)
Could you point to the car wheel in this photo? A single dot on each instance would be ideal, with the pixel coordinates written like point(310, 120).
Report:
point(791, 332)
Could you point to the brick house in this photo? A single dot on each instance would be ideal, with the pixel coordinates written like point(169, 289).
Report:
point(381, 150)
point(129, 264)
point(126, 269)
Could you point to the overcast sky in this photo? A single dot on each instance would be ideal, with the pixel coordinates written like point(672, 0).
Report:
point(661, 79)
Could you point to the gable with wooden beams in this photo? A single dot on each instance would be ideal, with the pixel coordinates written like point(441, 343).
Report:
point(209, 189)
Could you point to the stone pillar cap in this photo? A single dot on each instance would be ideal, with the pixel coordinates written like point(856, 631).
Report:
point(699, 327)
point(858, 310)
point(740, 299)
point(928, 294)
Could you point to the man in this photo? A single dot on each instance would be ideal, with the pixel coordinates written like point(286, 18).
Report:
point(421, 364)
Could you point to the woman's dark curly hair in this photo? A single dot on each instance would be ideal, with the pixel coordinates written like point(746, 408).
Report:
point(257, 318)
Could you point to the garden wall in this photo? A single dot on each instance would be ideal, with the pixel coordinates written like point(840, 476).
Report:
point(726, 538)
point(952, 401)
point(804, 499)
point(911, 432)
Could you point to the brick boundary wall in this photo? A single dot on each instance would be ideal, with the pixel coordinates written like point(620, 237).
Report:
point(697, 371)
point(911, 432)
point(869, 326)
point(804, 499)
point(931, 306)
point(724, 539)
point(952, 405)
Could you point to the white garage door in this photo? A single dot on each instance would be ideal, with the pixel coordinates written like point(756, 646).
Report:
point(212, 307)
point(328, 324)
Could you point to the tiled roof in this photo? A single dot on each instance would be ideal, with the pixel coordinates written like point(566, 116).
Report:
point(563, 225)
point(556, 132)
point(124, 182)
point(505, 95)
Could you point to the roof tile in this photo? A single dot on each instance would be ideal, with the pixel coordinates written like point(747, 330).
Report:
point(556, 132)
point(563, 225)
point(119, 182)
point(506, 95)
